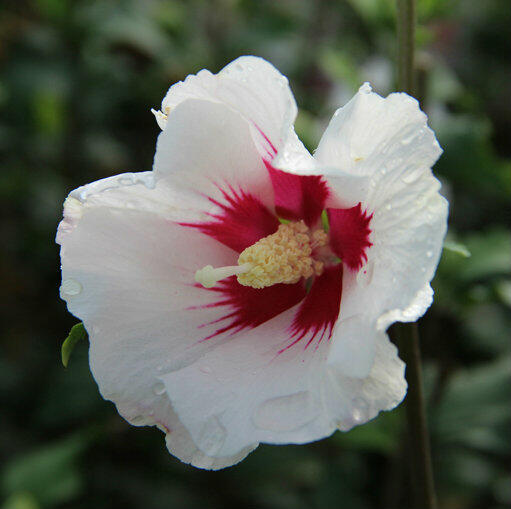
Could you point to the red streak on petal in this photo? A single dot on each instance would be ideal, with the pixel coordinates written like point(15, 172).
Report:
point(243, 220)
point(250, 307)
point(298, 196)
point(316, 316)
point(349, 235)
point(272, 151)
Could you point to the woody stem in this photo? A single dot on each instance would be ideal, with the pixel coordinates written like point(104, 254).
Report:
point(408, 334)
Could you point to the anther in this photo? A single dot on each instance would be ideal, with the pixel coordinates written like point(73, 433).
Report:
point(282, 257)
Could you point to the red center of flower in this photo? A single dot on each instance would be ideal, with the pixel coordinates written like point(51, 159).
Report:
point(244, 224)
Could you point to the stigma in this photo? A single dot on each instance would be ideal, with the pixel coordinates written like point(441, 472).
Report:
point(285, 256)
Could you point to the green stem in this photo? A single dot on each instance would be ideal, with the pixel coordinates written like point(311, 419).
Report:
point(422, 469)
point(406, 46)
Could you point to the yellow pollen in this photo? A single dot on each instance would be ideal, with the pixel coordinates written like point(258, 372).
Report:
point(283, 257)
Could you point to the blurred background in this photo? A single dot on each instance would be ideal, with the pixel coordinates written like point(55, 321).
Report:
point(77, 80)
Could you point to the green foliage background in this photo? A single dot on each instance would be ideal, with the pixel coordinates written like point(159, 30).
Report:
point(77, 79)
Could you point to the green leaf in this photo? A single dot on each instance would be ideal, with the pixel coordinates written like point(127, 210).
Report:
point(48, 475)
point(76, 333)
point(458, 248)
point(21, 501)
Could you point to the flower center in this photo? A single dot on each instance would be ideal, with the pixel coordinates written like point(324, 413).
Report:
point(282, 257)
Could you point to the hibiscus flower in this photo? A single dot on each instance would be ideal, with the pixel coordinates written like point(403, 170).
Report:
point(240, 291)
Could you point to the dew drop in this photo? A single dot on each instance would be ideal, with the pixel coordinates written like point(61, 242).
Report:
point(205, 369)
point(359, 412)
point(388, 206)
point(212, 436)
point(429, 254)
point(70, 287)
point(408, 139)
point(409, 177)
point(357, 415)
point(125, 181)
point(149, 181)
point(365, 274)
point(286, 413)
point(159, 388)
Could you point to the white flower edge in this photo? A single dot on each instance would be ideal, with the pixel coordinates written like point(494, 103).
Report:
point(250, 86)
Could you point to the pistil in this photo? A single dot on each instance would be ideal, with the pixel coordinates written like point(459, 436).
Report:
point(208, 276)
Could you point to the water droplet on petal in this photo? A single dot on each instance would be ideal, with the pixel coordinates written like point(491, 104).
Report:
point(70, 287)
point(159, 388)
point(286, 413)
point(409, 177)
point(149, 181)
point(388, 206)
point(125, 181)
point(360, 408)
point(429, 254)
point(205, 369)
point(408, 139)
point(365, 274)
point(212, 436)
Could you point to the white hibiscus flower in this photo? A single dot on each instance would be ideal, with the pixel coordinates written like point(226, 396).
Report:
point(284, 341)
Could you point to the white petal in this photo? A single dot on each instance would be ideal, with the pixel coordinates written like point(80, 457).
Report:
point(128, 274)
point(388, 145)
point(420, 303)
point(181, 445)
point(353, 346)
point(244, 392)
point(354, 401)
point(128, 191)
point(293, 157)
point(371, 133)
point(206, 147)
point(249, 85)
point(407, 236)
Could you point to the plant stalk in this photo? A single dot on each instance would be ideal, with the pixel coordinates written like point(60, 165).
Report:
point(418, 436)
point(406, 46)
point(408, 334)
